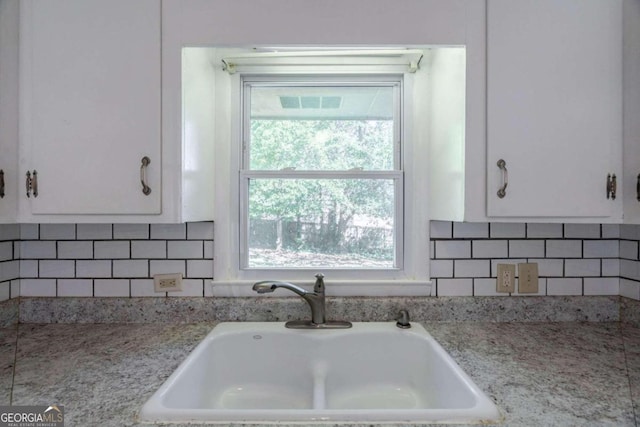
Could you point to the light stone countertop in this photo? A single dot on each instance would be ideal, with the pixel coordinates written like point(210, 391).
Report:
point(539, 374)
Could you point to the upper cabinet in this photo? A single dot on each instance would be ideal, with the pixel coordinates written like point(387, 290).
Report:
point(8, 110)
point(554, 108)
point(631, 94)
point(90, 107)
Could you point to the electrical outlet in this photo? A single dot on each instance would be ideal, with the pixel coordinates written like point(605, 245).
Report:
point(167, 282)
point(528, 278)
point(506, 281)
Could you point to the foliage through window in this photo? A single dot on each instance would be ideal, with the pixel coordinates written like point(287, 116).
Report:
point(321, 178)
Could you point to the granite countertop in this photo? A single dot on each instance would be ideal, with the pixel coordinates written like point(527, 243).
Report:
point(562, 374)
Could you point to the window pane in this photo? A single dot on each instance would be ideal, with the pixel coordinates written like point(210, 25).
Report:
point(322, 128)
point(329, 223)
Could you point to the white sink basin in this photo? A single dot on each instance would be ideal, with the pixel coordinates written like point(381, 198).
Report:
point(373, 372)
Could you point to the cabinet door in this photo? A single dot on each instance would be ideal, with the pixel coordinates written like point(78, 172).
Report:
point(554, 105)
point(90, 104)
point(8, 110)
point(632, 111)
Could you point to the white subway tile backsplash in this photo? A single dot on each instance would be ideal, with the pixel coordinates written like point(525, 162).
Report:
point(9, 270)
point(611, 267)
point(564, 249)
point(130, 231)
point(453, 249)
point(119, 260)
point(564, 286)
point(29, 232)
point(490, 248)
point(441, 268)
point(35, 249)
point(75, 287)
point(15, 288)
point(208, 249)
point(57, 231)
point(582, 231)
point(582, 267)
point(610, 231)
point(6, 251)
point(9, 232)
point(630, 269)
point(169, 231)
point(38, 287)
point(149, 249)
point(630, 288)
point(167, 267)
point(200, 231)
point(56, 268)
point(200, 268)
point(548, 267)
point(602, 286)
point(111, 287)
point(114, 249)
point(130, 268)
point(472, 268)
point(185, 249)
point(630, 232)
point(507, 230)
point(93, 268)
point(601, 248)
point(629, 249)
point(75, 249)
point(544, 231)
point(5, 291)
point(29, 268)
point(470, 229)
point(95, 231)
point(454, 287)
point(441, 229)
point(526, 248)
point(144, 288)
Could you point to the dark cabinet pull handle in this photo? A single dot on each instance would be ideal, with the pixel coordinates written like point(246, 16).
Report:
point(34, 184)
point(502, 191)
point(28, 184)
point(638, 187)
point(146, 190)
point(31, 183)
point(1, 183)
point(612, 186)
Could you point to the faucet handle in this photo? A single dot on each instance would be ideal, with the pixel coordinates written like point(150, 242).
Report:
point(319, 286)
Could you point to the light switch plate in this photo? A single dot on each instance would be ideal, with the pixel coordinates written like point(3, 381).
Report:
point(506, 280)
point(528, 278)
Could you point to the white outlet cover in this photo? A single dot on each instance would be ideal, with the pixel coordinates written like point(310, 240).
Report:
point(167, 282)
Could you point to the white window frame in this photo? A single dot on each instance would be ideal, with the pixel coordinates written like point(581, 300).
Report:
point(395, 174)
point(230, 279)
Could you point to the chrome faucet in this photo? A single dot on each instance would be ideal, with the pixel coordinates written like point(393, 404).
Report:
point(315, 299)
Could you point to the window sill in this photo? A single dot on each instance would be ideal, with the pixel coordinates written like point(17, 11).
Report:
point(375, 288)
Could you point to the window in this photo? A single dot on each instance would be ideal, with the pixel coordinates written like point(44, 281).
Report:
point(321, 179)
point(321, 168)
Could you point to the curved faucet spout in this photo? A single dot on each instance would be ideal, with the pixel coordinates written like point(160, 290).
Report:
point(271, 285)
point(314, 299)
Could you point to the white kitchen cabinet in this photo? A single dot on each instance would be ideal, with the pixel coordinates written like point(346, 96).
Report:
point(554, 107)
point(90, 108)
point(631, 93)
point(9, 10)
